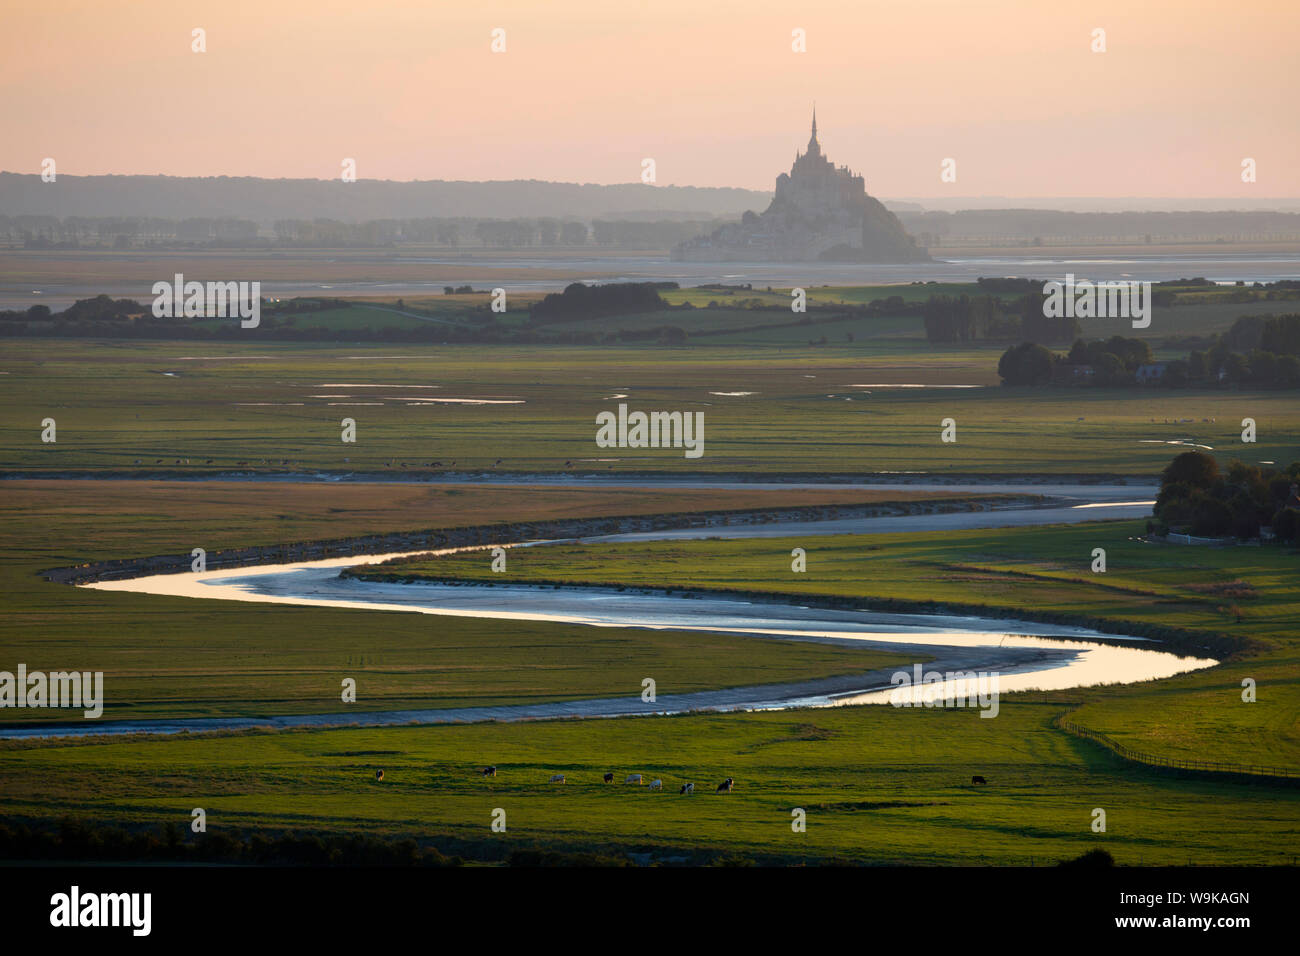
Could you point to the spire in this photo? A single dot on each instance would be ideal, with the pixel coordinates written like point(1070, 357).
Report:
point(814, 148)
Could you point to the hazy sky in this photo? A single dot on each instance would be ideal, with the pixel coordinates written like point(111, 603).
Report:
point(710, 89)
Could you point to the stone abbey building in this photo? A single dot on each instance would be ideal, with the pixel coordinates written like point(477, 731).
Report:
point(820, 212)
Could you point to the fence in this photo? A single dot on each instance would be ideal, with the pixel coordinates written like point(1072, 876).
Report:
point(1177, 763)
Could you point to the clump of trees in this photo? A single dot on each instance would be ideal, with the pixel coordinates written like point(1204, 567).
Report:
point(966, 318)
point(1197, 498)
point(579, 301)
point(1026, 364)
point(1112, 361)
point(1260, 350)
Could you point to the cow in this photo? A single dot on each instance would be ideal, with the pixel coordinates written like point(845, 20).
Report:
point(609, 778)
point(633, 778)
point(379, 775)
point(489, 771)
point(975, 780)
point(557, 778)
point(656, 784)
point(687, 788)
point(726, 785)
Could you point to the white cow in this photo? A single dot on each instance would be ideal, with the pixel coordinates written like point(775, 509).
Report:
point(687, 788)
point(656, 784)
point(557, 778)
point(633, 778)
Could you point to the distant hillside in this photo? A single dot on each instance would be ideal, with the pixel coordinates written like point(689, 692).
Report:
point(266, 200)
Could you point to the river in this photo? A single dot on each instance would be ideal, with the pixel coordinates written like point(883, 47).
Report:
point(1022, 655)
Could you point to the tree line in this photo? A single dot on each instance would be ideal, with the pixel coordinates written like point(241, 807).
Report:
point(1258, 351)
point(126, 232)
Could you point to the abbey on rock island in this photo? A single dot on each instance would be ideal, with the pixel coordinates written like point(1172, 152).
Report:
point(820, 212)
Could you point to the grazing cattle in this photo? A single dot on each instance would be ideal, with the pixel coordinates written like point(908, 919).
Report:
point(557, 778)
point(489, 771)
point(656, 784)
point(687, 788)
point(609, 778)
point(726, 785)
point(379, 775)
point(975, 780)
point(633, 778)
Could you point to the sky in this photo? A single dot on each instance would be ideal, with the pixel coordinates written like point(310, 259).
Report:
point(711, 90)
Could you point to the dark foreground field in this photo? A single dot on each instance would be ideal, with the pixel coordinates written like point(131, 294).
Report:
point(878, 785)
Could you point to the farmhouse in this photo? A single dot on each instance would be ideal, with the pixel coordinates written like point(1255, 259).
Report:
point(1151, 373)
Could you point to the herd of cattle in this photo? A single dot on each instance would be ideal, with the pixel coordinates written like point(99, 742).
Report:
point(686, 789)
point(634, 778)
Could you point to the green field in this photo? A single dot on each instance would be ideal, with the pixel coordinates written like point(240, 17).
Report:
point(878, 784)
point(274, 407)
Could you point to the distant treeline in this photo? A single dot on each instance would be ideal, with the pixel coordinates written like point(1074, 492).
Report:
point(48, 232)
point(996, 318)
point(966, 318)
point(105, 317)
point(643, 230)
point(1261, 351)
point(1256, 350)
point(1050, 225)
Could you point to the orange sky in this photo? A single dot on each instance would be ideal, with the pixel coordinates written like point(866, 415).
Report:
point(709, 88)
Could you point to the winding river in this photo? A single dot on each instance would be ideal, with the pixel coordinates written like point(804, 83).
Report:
point(1022, 655)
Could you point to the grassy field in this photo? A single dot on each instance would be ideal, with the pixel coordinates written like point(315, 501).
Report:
point(210, 406)
point(171, 657)
point(1247, 593)
point(878, 784)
